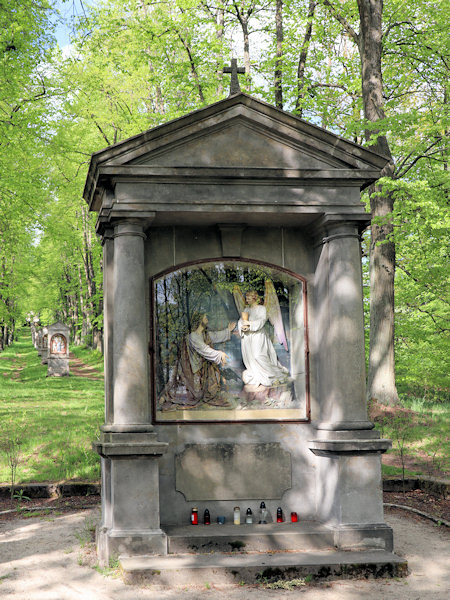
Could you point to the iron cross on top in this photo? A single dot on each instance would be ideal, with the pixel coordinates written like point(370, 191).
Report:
point(234, 70)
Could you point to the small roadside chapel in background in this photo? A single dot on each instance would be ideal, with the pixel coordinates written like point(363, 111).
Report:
point(33, 320)
point(44, 349)
point(58, 350)
point(42, 341)
point(234, 340)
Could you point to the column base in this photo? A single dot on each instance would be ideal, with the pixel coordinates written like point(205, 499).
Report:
point(356, 536)
point(112, 543)
point(57, 367)
point(130, 523)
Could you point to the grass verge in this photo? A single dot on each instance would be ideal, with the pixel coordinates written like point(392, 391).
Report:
point(419, 430)
point(48, 422)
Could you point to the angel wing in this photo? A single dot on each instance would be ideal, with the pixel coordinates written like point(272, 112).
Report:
point(238, 299)
point(274, 312)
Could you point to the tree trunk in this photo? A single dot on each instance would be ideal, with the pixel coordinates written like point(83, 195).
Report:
point(72, 306)
point(302, 59)
point(92, 305)
point(220, 30)
point(243, 20)
point(244, 25)
point(381, 377)
point(279, 54)
point(85, 317)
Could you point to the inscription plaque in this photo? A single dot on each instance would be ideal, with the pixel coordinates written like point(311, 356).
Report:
point(233, 471)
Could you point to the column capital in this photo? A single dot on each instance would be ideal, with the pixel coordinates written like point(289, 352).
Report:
point(130, 227)
point(107, 234)
point(330, 227)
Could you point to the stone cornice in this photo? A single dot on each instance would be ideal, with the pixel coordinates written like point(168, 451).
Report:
point(111, 175)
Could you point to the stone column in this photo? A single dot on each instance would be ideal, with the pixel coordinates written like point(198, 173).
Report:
point(341, 330)
point(130, 346)
point(349, 485)
point(108, 312)
point(128, 446)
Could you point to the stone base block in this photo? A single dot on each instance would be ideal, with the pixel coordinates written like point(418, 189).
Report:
point(361, 537)
point(113, 543)
point(57, 367)
point(232, 569)
point(269, 537)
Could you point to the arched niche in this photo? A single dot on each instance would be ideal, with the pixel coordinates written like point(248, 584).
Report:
point(266, 375)
point(58, 344)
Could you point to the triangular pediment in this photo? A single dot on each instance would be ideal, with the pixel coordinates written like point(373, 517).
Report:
point(238, 143)
point(239, 132)
point(58, 326)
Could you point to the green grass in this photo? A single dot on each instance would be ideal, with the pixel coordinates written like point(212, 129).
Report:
point(388, 471)
point(54, 419)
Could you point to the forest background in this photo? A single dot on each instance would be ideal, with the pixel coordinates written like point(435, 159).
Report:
point(376, 73)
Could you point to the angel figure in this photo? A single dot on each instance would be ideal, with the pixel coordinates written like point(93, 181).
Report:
point(262, 367)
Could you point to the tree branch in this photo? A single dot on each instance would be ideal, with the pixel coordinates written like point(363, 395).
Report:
point(343, 21)
point(101, 131)
point(193, 67)
point(425, 154)
point(396, 24)
point(425, 312)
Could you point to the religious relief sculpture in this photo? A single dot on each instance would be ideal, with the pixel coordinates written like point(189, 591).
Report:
point(58, 344)
point(222, 349)
point(197, 367)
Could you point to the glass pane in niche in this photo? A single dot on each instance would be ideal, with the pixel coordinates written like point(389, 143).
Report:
point(230, 344)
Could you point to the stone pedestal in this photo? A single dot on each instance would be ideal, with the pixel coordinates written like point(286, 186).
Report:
point(130, 494)
point(350, 491)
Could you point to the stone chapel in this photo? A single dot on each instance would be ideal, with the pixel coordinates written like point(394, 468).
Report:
point(195, 216)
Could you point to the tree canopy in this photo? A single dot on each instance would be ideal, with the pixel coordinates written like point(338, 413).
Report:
point(133, 64)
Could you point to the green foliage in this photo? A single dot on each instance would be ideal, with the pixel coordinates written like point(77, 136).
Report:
point(24, 48)
point(86, 535)
point(113, 569)
point(134, 65)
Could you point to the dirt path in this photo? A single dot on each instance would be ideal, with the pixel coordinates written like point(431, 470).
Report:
point(39, 560)
point(79, 368)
